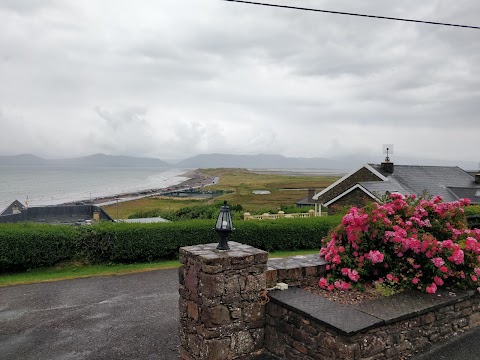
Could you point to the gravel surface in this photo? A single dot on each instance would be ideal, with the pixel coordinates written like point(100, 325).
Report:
point(349, 297)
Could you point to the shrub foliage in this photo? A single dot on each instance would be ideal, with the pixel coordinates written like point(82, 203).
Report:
point(403, 243)
point(24, 246)
point(29, 245)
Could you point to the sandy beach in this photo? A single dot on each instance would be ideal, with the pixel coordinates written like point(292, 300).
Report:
point(196, 180)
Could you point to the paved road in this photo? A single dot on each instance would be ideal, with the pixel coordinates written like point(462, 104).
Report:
point(120, 317)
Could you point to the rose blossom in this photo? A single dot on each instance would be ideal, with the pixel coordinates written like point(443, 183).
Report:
point(438, 262)
point(323, 283)
point(375, 256)
point(432, 289)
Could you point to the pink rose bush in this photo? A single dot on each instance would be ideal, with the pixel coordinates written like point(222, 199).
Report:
point(404, 243)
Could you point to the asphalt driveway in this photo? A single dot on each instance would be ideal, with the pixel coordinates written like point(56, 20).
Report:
point(120, 317)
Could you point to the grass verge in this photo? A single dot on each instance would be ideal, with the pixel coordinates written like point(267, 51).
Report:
point(76, 271)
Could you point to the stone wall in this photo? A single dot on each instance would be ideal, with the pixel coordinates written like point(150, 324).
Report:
point(295, 270)
point(222, 302)
point(294, 333)
point(225, 312)
point(354, 198)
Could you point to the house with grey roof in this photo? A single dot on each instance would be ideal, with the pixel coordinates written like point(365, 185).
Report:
point(14, 208)
point(308, 201)
point(371, 181)
point(55, 214)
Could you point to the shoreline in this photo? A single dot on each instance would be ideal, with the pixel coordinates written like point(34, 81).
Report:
point(195, 180)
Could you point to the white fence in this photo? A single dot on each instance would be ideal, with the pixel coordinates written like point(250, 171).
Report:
point(281, 215)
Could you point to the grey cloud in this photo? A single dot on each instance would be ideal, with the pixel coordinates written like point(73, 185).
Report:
point(153, 79)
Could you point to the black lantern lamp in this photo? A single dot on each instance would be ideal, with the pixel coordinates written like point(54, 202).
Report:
point(224, 226)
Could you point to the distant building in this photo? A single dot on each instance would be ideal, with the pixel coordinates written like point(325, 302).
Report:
point(370, 182)
point(57, 214)
point(14, 208)
point(308, 201)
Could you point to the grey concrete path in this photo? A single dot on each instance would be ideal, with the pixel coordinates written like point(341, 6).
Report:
point(120, 317)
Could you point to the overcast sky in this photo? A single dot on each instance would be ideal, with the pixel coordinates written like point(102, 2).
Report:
point(172, 79)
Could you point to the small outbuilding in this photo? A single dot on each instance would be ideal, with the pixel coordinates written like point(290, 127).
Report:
point(15, 207)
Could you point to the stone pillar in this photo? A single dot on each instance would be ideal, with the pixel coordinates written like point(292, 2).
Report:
point(222, 301)
point(247, 216)
point(311, 213)
point(281, 214)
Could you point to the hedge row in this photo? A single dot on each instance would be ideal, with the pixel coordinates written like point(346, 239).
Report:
point(25, 246)
point(30, 245)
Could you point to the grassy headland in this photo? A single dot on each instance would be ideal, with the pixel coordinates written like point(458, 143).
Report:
point(284, 190)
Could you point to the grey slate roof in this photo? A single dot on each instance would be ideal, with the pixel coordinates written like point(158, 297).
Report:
point(470, 193)
point(381, 187)
point(435, 180)
point(9, 209)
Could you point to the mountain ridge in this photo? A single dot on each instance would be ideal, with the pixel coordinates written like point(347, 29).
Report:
point(218, 160)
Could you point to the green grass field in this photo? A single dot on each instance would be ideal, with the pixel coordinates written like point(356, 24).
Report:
point(129, 207)
point(70, 271)
point(285, 190)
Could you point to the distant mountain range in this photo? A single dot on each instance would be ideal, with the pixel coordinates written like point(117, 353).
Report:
point(226, 160)
point(97, 160)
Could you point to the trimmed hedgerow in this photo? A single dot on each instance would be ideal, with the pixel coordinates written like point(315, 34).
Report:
point(147, 242)
point(28, 245)
point(24, 246)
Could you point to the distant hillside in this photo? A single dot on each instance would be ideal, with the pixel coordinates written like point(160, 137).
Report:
point(260, 161)
point(97, 160)
point(22, 160)
point(257, 162)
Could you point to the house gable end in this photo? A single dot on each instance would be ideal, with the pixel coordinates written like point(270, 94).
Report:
point(365, 173)
point(355, 196)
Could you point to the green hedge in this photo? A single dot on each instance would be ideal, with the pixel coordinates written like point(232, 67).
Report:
point(29, 245)
point(24, 246)
point(472, 210)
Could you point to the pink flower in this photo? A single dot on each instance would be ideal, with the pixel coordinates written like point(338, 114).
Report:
point(353, 275)
point(415, 280)
point(438, 262)
point(438, 281)
point(457, 257)
point(432, 289)
point(375, 256)
point(474, 278)
point(330, 288)
point(477, 271)
point(470, 243)
point(389, 277)
point(443, 269)
point(323, 283)
point(342, 285)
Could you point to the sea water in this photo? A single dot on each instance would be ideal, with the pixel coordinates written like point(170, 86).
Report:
point(57, 185)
